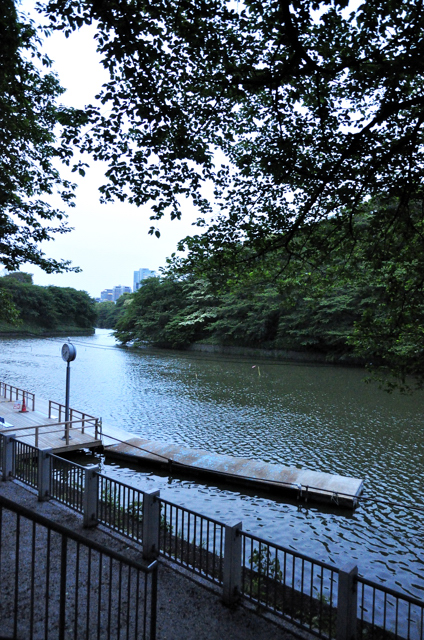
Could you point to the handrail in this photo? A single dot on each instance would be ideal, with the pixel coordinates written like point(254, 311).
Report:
point(68, 424)
point(5, 387)
point(34, 582)
point(62, 408)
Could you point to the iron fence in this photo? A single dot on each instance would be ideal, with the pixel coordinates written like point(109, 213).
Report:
point(57, 584)
point(67, 482)
point(25, 458)
point(313, 595)
point(289, 584)
point(120, 507)
point(383, 611)
point(192, 540)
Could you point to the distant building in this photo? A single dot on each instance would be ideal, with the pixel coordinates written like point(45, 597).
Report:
point(119, 291)
point(141, 275)
point(106, 294)
point(114, 294)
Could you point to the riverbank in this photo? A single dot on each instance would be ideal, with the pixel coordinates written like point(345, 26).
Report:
point(278, 354)
point(188, 608)
point(29, 330)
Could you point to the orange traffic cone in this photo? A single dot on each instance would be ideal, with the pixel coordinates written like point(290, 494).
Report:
point(24, 407)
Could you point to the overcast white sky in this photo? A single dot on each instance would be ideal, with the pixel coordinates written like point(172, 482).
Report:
point(109, 242)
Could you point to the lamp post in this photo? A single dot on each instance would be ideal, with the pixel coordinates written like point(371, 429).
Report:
point(69, 353)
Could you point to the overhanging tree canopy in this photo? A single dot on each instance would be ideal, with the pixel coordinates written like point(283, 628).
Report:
point(315, 109)
point(29, 119)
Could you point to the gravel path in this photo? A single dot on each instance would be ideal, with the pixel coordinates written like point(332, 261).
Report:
point(187, 609)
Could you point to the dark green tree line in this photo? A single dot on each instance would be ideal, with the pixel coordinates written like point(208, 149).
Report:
point(48, 307)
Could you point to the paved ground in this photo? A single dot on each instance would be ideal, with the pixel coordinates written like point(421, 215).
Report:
point(187, 610)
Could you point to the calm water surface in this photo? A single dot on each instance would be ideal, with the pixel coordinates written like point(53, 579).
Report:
point(309, 416)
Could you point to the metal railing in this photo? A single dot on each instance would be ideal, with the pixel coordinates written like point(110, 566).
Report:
point(58, 584)
point(67, 482)
point(49, 429)
point(14, 393)
point(120, 507)
point(328, 601)
point(74, 414)
point(192, 540)
point(385, 611)
point(290, 585)
point(25, 463)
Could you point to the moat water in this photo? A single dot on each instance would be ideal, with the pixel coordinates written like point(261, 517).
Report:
point(317, 417)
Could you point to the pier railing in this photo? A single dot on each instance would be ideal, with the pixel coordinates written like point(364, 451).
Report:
point(66, 429)
point(328, 601)
point(57, 583)
point(74, 415)
point(16, 394)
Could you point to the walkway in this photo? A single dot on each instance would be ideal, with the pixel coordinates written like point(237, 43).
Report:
point(187, 609)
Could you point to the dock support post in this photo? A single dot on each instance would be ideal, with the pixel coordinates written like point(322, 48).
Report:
point(91, 494)
point(44, 471)
point(347, 603)
point(151, 524)
point(232, 564)
point(7, 456)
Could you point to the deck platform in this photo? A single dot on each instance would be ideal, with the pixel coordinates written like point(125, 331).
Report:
point(314, 486)
point(50, 431)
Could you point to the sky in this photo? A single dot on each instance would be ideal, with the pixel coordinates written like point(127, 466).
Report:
point(109, 242)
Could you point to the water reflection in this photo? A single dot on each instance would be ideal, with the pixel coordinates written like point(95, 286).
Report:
point(317, 417)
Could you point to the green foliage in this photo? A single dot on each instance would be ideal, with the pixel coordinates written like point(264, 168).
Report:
point(108, 312)
point(163, 313)
point(346, 307)
point(307, 119)
point(30, 118)
point(264, 568)
point(20, 276)
point(48, 307)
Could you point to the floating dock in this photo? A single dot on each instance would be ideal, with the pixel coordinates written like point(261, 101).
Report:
point(44, 429)
point(314, 486)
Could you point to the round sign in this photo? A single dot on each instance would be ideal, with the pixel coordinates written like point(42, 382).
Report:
point(69, 352)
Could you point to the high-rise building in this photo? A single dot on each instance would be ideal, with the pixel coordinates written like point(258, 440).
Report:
point(106, 294)
point(119, 291)
point(141, 275)
point(114, 294)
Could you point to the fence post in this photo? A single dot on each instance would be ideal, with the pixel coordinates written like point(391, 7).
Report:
point(44, 472)
point(347, 603)
point(7, 456)
point(91, 494)
point(232, 564)
point(151, 524)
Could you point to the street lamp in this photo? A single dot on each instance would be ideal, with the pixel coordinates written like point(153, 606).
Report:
point(69, 353)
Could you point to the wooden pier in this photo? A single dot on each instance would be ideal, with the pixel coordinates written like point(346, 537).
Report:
point(303, 484)
point(43, 427)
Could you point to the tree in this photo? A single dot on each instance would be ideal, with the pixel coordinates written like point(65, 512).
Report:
point(48, 307)
point(162, 312)
point(29, 120)
point(316, 111)
point(108, 312)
